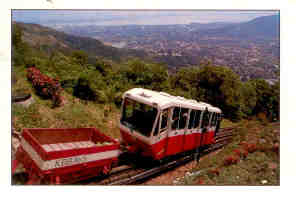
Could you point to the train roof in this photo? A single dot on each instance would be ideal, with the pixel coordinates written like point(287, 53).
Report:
point(164, 100)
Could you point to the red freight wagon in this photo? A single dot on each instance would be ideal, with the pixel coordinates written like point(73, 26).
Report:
point(65, 155)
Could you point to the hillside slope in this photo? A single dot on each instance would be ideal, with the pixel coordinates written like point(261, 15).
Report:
point(266, 27)
point(75, 112)
point(50, 39)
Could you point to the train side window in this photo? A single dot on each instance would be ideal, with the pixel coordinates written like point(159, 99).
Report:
point(179, 118)
point(164, 120)
point(205, 120)
point(192, 119)
point(183, 118)
point(175, 118)
point(197, 119)
point(213, 119)
point(210, 119)
point(216, 117)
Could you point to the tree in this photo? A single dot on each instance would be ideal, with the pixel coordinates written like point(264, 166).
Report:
point(103, 67)
point(159, 76)
point(264, 95)
point(83, 89)
point(139, 73)
point(184, 83)
point(275, 101)
point(80, 56)
point(249, 98)
point(222, 89)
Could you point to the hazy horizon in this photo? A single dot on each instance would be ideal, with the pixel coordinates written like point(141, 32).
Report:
point(133, 17)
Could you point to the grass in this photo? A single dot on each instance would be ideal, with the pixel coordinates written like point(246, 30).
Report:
point(73, 114)
point(227, 123)
point(261, 166)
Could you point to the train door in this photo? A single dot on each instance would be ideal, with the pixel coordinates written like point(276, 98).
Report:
point(197, 128)
point(218, 123)
point(159, 139)
point(177, 130)
point(192, 135)
point(212, 126)
point(205, 127)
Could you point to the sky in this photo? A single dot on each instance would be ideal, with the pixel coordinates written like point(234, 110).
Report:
point(141, 17)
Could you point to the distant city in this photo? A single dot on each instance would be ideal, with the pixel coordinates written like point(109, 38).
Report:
point(246, 41)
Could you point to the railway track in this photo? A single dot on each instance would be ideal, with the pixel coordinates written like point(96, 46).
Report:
point(144, 175)
point(138, 175)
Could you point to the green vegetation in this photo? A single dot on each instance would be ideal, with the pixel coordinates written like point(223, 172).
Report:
point(221, 87)
point(252, 158)
point(92, 84)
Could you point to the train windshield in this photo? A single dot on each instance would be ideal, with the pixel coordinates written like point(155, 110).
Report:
point(138, 116)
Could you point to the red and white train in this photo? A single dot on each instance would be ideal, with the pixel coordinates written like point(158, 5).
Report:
point(157, 124)
point(153, 124)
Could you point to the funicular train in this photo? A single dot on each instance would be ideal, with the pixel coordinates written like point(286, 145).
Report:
point(157, 124)
point(153, 125)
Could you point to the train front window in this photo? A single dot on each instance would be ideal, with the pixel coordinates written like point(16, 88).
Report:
point(138, 116)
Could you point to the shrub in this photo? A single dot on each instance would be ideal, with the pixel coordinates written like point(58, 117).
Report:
point(69, 83)
point(237, 152)
point(45, 86)
point(213, 172)
point(230, 160)
point(83, 90)
point(104, 67)
point(251, 148)
point(245, 153)
point(243, 143)
point(242, 153)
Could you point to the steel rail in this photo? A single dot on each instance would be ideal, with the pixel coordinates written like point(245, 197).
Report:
point(163, 168)
point(222, 140)
point(131, 175)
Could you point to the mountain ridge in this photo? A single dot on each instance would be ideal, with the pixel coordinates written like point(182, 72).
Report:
point(38, 35)
point(265, 27)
